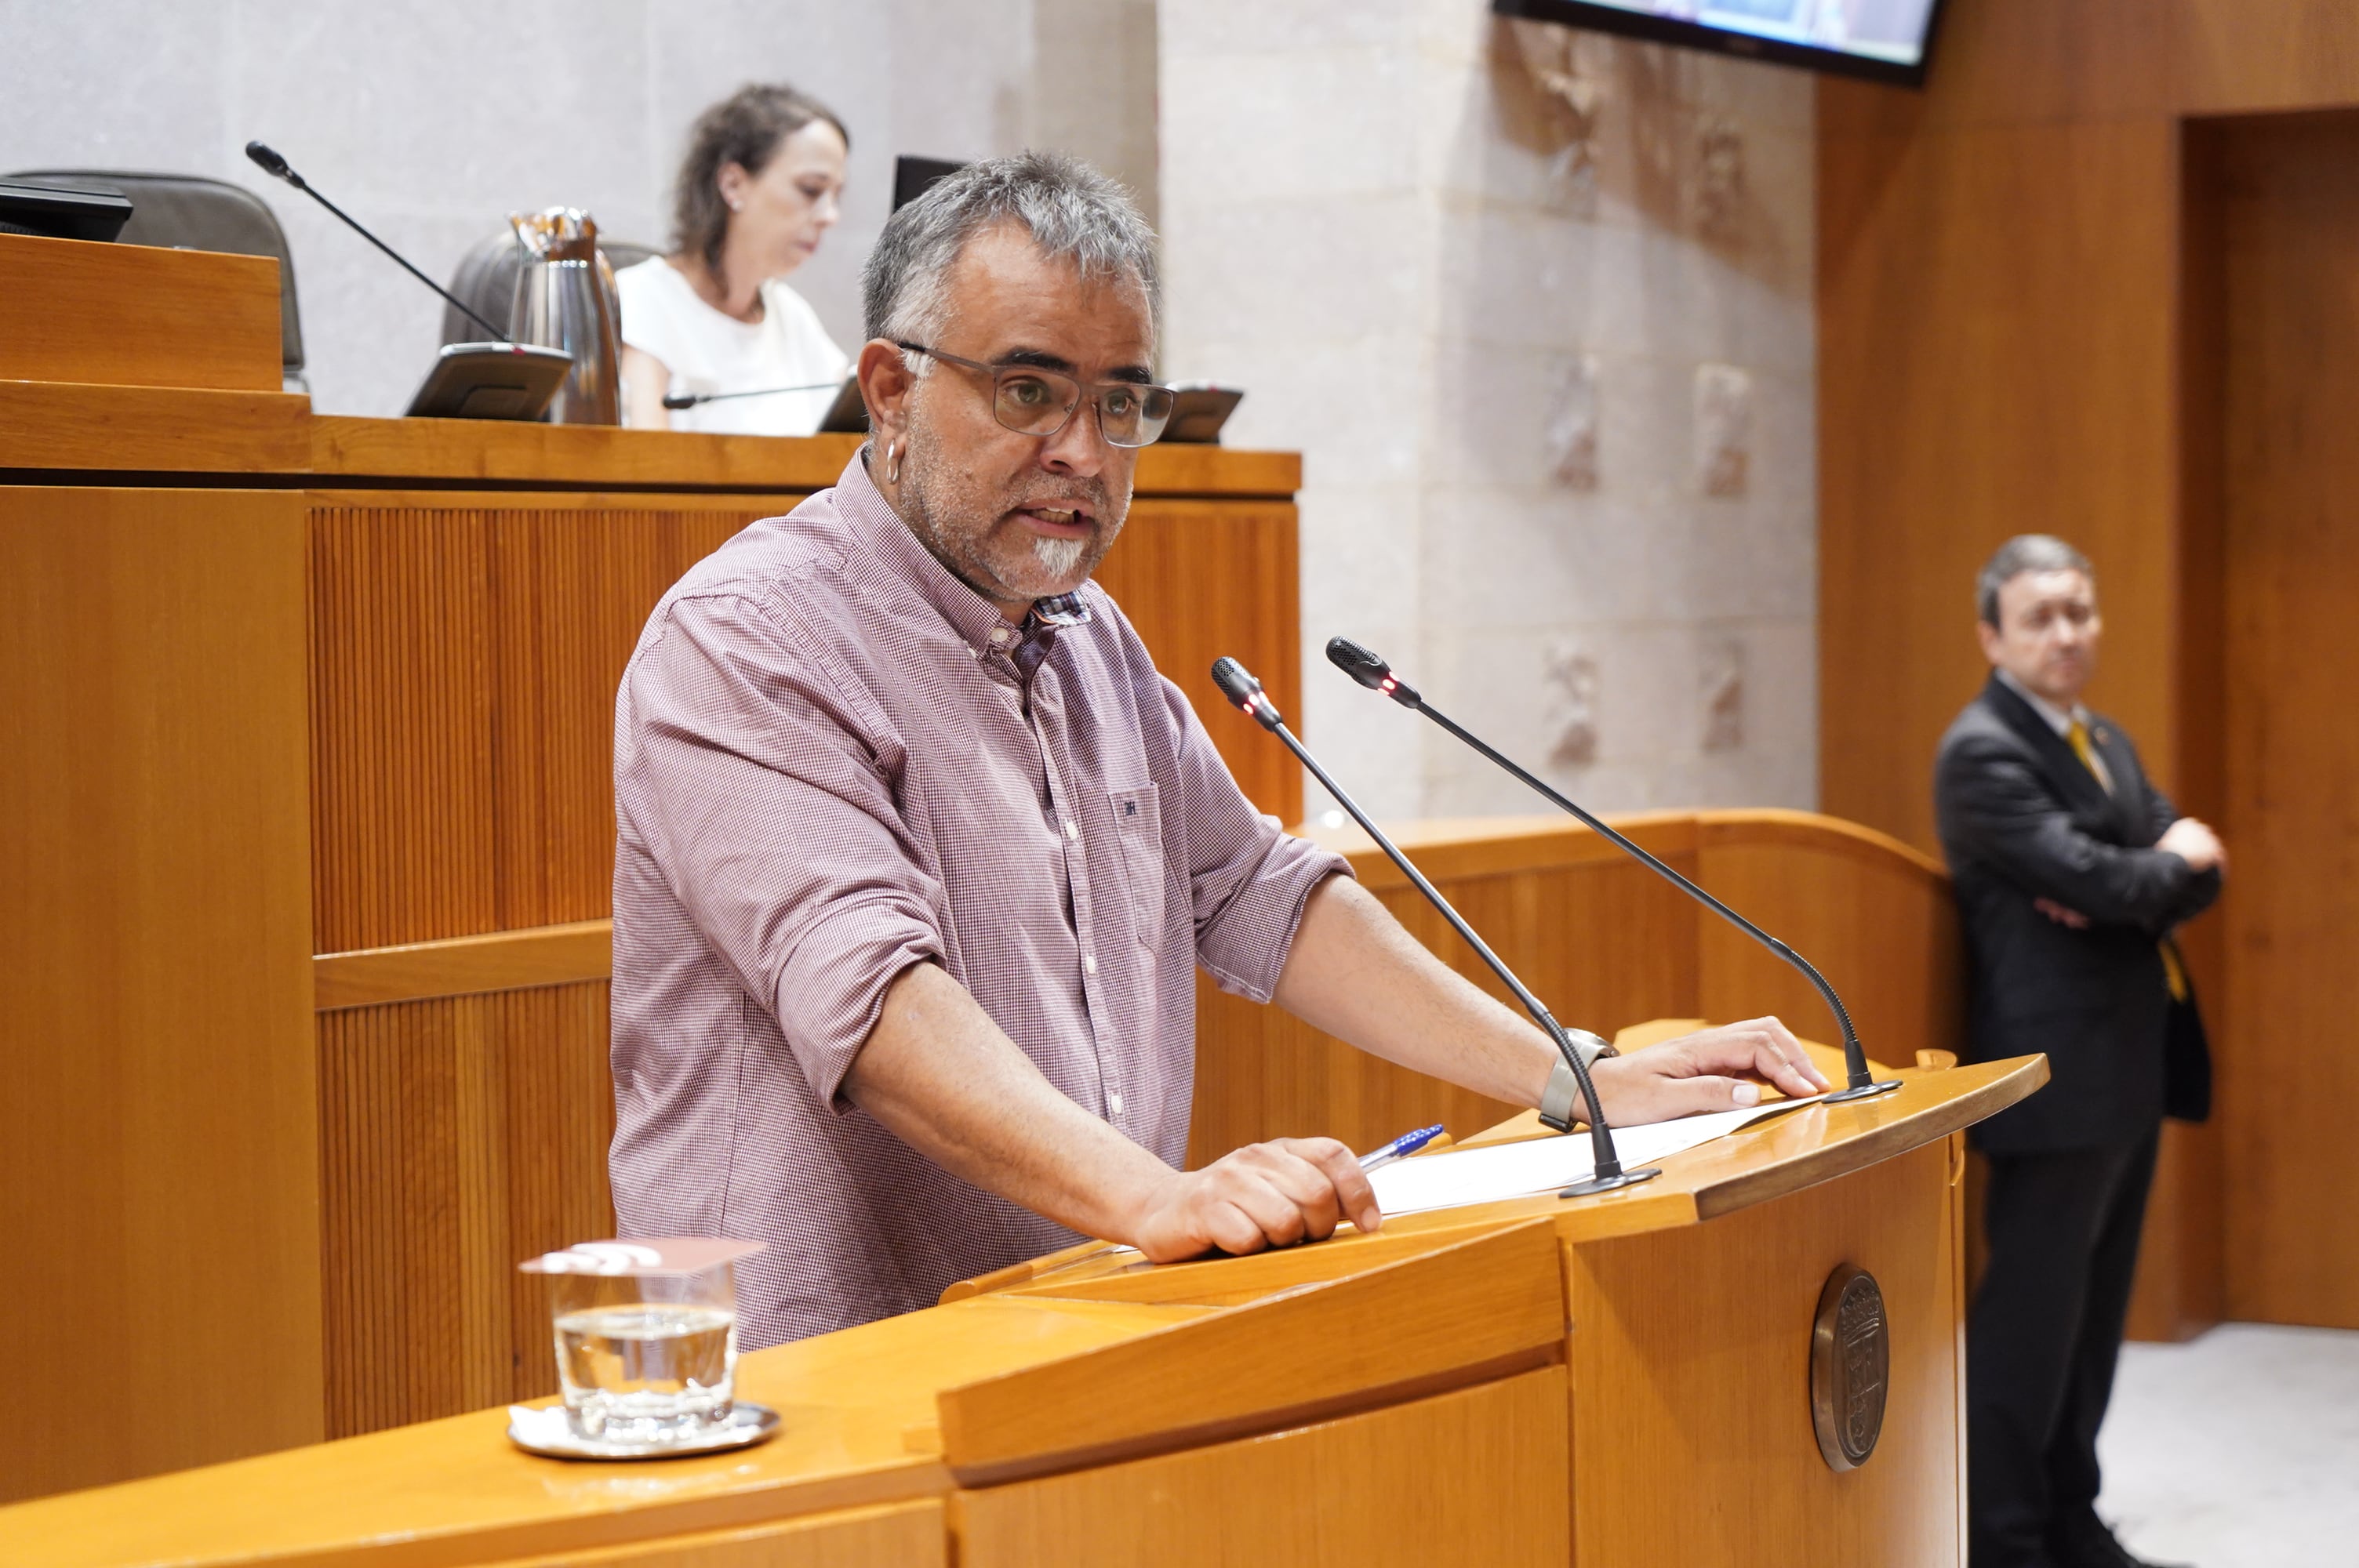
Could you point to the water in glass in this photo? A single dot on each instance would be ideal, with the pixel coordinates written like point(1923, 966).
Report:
point(645, 1370)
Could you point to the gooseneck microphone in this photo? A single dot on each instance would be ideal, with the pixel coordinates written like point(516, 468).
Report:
point(270, 163)
point(697, 399)
point(1371, 671)
point(1239, 687)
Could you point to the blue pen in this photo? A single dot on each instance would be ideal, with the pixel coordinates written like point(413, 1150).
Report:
point(1407, 1143)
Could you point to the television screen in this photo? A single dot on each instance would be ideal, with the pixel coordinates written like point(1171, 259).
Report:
point(1885, 40)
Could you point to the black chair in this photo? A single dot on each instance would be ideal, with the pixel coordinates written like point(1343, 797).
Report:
point(486, 280)
point(189, 212)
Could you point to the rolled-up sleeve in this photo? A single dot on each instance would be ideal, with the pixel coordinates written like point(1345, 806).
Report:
point(1248, 880)
point(763, 791)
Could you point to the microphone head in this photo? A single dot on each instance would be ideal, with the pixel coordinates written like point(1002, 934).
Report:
point(1238, 685)
point(1370, 670)
point(270, 162)
point(681, 400)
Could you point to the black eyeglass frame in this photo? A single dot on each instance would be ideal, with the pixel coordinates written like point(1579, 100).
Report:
point(1097, 392)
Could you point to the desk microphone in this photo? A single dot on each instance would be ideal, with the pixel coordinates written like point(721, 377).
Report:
point(272, 164)
point(1240, 687)
point(1371, 671)
point(697, 399)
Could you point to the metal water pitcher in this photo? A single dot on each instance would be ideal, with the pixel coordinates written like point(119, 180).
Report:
point(565, 300)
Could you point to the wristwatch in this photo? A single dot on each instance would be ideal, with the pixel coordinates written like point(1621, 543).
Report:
point(1560, 1102)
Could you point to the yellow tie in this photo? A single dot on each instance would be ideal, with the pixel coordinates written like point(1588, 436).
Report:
point(2079, 736)
point(2174, 973)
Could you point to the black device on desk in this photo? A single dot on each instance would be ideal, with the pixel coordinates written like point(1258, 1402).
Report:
point(63, 212)
point(1198, 412)
point(913, 177)
point(848, 415)
point(490, 380)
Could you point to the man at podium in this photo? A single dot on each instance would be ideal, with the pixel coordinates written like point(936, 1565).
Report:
point(917, 853)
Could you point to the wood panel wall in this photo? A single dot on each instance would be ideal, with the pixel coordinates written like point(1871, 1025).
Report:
point(467, 647)
point(2013, 337)
point(466, 653)
point(1604, 943)
point(158, 1203)
point(459, 1136)
point(2288, 235)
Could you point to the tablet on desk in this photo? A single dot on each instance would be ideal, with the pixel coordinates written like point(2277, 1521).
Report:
point(1198, 412)
point(490, 380)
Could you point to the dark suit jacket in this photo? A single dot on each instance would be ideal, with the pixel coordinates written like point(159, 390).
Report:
point(2022, 819)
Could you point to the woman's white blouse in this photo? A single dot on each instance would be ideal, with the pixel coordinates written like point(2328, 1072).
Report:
point(708, 351)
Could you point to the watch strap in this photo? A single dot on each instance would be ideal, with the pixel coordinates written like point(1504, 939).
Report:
point(1561, 1103)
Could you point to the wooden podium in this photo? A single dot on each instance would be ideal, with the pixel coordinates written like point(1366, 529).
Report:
point(1606, 1381)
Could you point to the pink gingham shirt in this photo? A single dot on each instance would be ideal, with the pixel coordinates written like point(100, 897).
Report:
point(831, 763)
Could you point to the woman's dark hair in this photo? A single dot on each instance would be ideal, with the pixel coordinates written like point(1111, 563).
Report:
point(746, 128)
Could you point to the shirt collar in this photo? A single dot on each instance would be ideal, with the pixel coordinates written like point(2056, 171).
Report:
point(2057, 718)
point(976, 619)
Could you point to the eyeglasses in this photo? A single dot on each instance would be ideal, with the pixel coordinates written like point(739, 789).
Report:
point(1031, 401)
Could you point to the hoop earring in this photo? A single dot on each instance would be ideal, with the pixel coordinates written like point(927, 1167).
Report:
point(892, 462)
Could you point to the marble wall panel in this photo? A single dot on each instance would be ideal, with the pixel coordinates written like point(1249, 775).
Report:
point(1665, 629)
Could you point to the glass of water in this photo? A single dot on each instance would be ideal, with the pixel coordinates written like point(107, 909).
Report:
point(645, 1335)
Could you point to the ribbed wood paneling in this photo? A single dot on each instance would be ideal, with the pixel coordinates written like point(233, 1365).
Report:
point(459, 1136)
point(1603, 943)
point(465, 652)
point(1200, 579)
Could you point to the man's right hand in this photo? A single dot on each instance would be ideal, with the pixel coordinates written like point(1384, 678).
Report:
point(2195, 844)
point(1265, 1194)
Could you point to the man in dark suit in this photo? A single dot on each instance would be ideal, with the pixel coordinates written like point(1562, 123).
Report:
point(2070, 870)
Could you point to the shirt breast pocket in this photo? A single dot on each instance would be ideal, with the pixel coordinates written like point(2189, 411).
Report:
point(1138, 828)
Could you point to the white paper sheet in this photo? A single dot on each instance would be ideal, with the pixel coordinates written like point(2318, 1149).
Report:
point(1460, 1176)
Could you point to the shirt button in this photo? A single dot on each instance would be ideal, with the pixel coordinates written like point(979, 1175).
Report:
point(1071, 831)
point(1114, 1104)
point(1089, 963)
point(999, 635)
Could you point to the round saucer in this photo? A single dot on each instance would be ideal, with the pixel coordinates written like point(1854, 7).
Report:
point(547, 1431)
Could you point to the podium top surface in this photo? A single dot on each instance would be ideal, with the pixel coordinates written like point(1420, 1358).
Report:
point(1006, 1375)
point(1756, 1165)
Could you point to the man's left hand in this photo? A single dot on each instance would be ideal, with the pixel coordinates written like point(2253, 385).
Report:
point(1713, 1069)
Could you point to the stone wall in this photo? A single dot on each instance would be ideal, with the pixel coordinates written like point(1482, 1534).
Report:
point(1536, 305)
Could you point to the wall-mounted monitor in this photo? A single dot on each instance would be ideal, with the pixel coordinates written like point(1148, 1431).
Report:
point(1883, 40)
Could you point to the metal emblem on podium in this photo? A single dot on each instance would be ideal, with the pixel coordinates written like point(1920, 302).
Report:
point(1850, 1367)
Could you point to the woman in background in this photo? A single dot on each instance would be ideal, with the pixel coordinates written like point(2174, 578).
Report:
point(757, 191)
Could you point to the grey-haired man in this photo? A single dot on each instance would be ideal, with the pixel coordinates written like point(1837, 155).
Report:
point(2070, 870)
point(918, 854)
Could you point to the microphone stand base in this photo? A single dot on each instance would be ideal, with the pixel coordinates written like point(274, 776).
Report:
point(1865, 1091)
point(1607, 1183)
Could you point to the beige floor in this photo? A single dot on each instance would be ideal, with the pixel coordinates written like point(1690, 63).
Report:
point(2238, 1450)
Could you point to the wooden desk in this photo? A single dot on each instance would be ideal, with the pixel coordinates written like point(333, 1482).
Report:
point(1608, 1381)
point(285, 687)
